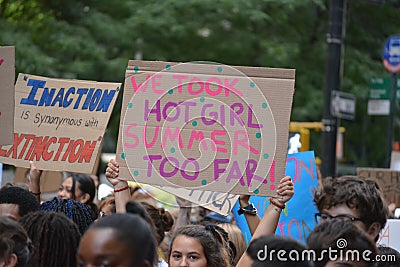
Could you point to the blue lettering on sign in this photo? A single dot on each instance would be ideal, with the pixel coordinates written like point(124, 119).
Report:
point(92, 99)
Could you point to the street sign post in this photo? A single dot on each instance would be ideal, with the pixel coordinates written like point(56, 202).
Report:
point(391, 61)
point(343, 105)
point(379, 94)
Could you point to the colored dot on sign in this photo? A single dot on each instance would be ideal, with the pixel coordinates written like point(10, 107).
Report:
point(25, 78)
point(168, 67)
point(256, 191)
point(265, 156)
point(202, 99)
point(136, 68)
point(219, 69)
point(171, 92)
point(194, 123)
point(204, 182)
point(252, 84)
point(172, 150)
point(136, 173)
point(272, 187)
point(123, 155)
point(130, 105)
point(264, 105)
point(258, 135)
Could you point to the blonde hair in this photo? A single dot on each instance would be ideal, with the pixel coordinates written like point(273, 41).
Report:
point(237, 238)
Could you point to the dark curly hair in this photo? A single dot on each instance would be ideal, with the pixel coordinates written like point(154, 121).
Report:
point(24, 199)
point(357, 193)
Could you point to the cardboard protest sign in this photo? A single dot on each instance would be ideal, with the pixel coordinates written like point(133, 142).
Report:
point(205, 126)
point(50, 181)
point(7, 78)
point(390, 234)
point(297, 220)
point(388, 180)
point(59, 123)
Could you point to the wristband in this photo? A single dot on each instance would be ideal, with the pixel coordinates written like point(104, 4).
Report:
point(276, 204)
point(122, 189)
point(250, 209)
point(35, 194)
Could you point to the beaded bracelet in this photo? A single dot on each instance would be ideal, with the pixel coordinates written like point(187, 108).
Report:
point(122, 189)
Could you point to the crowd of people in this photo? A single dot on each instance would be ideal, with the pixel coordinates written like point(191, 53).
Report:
point(124, 230)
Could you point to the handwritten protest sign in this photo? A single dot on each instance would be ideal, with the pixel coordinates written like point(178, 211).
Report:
point(297, 220)
point(388, 180)
point(390, 234)
point(204, 126)
point(59, 124)
point(7, 77)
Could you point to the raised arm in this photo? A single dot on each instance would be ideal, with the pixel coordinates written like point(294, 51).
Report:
point(185, 210)
point(269, 222)
point(252, 219)
point(121, 188)
point(34, 180)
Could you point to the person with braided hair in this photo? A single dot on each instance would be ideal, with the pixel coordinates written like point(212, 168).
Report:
point(14, 239)
point(55, 238)
point(75, 210)
point(77, 186)
point(200, 246)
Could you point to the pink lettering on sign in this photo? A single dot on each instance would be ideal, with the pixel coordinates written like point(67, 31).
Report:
point(195, 85)
point(1, 61)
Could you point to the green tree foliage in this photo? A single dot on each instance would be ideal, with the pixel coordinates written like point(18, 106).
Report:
point(94, 39)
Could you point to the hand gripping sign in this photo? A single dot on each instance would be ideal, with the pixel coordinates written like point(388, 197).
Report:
point(205, 126)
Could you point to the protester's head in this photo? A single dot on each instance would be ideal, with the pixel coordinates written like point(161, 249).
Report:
point(79, 187)
point(162, 220)
point(264, 252)
point(201, 246)
point(76, 211)
point(389, 257)
point(124, 240)
point(107, 207)
point(343, 237)
point(16, 241)
point(236, 236)
point(352, 198)
point(54, 236)
point(15, 202)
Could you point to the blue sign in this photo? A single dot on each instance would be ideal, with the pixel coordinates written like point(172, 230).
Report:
point(297, 220)
point(391, 54)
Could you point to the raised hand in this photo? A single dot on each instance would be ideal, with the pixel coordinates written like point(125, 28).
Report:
point(285, 190)
point(112, 172)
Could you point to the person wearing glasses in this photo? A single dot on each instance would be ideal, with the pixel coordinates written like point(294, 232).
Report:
point(352, 199)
